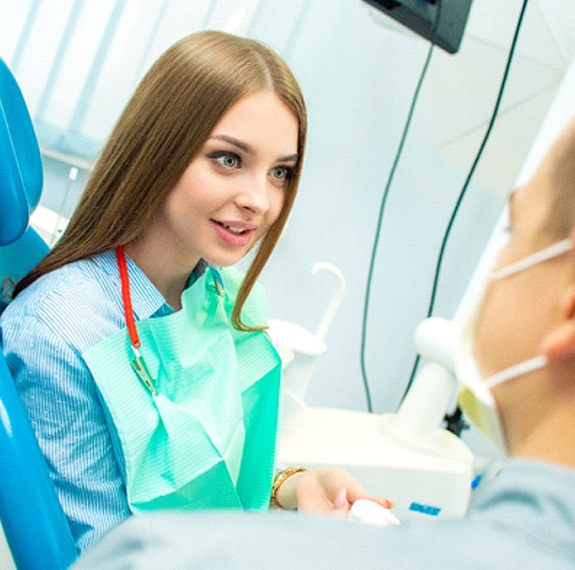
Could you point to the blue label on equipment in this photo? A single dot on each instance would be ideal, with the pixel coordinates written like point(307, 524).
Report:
point(425, 509)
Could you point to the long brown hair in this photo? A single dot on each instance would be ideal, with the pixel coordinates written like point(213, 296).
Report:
point(166, 122)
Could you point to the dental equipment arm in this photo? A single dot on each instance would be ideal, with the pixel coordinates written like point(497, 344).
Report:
point(406, 456)
point(424, 406)
point(427, 471)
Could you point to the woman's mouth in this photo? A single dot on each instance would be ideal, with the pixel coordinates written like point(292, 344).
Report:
point(234, 230)
point(234, 233)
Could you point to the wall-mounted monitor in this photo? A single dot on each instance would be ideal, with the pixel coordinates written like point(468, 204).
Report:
point(420, 16)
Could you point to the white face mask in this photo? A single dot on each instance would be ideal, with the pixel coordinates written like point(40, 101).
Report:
point(475, 398)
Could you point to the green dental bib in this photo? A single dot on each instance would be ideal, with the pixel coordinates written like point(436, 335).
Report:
point(207, 438)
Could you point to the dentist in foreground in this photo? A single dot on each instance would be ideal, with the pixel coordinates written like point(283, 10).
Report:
point(516, 367)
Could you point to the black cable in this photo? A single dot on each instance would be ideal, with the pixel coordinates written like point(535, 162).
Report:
point(466, 184)
point(382, 209)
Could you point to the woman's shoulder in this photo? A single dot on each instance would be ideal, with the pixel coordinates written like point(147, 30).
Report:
point(77, 283)
point(70, 301)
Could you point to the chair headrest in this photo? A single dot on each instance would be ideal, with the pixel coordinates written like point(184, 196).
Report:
point(21, 173)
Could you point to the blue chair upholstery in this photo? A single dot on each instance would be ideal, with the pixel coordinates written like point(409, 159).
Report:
point(34, 524)
point(21, 179)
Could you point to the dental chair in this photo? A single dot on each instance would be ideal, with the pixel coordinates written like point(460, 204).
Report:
point(34, 524)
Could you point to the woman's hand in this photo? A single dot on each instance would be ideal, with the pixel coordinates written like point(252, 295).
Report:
point(324, 491)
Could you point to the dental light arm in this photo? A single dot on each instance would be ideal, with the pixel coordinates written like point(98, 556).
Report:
point(424, 407)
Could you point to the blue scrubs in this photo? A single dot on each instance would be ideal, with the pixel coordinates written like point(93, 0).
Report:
point(524, 519)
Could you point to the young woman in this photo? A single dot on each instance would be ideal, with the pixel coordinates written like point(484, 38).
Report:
point(143, 364)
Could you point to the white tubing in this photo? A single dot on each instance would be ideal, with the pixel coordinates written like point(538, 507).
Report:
point(333, 306)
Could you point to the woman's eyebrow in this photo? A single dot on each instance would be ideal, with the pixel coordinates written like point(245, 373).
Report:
point(289, 158)
point(249, 149)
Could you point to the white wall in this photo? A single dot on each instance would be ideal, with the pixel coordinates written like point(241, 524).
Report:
point(359, 102)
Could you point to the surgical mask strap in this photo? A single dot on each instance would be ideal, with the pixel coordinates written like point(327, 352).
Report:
point(518, 370)
point(550, 252)
point(540, 361)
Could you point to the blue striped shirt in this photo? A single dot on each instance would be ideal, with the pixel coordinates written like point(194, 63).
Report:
point(44, 333)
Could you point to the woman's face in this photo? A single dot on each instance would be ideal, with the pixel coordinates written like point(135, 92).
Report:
point(234, 188)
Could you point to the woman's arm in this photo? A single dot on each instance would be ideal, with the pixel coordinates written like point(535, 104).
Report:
point(328, 491)
point(71, 425)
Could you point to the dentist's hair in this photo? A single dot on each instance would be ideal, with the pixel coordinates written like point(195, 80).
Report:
point(164, 125)
point(564, 180)
point(558, 171)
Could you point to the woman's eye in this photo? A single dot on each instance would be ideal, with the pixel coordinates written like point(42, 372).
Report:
point(229, 160)
point(226, 159)
point(282, 173)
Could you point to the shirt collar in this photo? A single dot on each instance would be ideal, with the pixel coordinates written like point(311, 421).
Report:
point(147, 301)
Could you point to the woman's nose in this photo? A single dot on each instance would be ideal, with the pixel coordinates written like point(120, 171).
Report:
point(253, 194)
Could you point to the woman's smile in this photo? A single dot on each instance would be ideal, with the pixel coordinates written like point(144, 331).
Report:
point(237, 234)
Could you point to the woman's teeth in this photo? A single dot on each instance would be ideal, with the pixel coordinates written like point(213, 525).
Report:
point(233, 229)
point(236, 230)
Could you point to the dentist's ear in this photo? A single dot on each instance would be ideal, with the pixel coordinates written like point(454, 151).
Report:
point(560, 342)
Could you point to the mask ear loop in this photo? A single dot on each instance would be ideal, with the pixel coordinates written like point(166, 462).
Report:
point(534, 363)
point(540, 361)
point(550, 252)
point(138, 363)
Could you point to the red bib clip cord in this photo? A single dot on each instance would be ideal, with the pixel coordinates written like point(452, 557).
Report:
point(138, 363)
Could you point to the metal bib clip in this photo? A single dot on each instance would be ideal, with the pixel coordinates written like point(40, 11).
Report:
point(139, 366)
